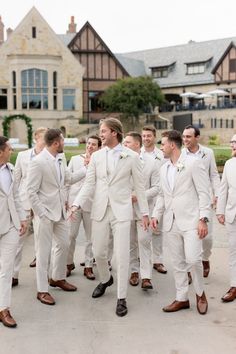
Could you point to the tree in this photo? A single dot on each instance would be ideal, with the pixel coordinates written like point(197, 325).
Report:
point(132, 97)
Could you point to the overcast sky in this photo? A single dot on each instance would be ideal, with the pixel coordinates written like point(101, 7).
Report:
point(130, 25)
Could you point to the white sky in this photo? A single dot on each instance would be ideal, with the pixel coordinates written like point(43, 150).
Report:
point(129, 25)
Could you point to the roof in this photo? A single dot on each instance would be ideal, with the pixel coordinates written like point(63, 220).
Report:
point(66, 38)
point(192, 52)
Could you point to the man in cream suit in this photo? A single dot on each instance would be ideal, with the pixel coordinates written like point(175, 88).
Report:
point(184, 204)
point(12, 225)
point(76, 163)
point(140, 239)
point(113, 173)
point(191, 136)
point(47, 177)
point(149, 148)
point(20, 174)
point(226, 214)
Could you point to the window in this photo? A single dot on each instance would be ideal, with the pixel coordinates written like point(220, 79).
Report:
point(197, 68)
point(160, 72)
point(232, 65)
point(34, 88)
point(14, 89)
point(3, 98)
point(68, 99)
point(94, 101)
point(54, 90)
point(33, 32)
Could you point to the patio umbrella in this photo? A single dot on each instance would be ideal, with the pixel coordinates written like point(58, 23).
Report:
point(218, 92)
point(204, 95)
point(189, 94)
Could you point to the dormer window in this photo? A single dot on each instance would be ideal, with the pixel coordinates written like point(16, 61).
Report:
point(195, 68)
point(160, 72)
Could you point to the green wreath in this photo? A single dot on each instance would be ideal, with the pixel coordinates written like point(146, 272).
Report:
point(7, 121)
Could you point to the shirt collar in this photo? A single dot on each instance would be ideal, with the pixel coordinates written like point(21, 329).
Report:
point(117, 148)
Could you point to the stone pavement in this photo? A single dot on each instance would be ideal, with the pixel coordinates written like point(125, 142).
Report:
point(78, 324)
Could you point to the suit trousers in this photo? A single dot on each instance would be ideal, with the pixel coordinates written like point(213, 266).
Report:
point(140, 247)
point(100, 238)
point(231, 231)
point(57, 231)
point(207, 242)
point(8, 247)
point(74, 226)
point(157, 247)
point(186, 253)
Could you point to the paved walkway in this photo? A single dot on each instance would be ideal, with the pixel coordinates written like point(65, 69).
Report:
point(78, 324)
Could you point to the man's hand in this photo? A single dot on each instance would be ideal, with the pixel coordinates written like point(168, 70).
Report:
point(134, 199)
point(221, 219)
point(145, 222)
point(202, 229)
point(23, 227)
point(72, 211)
point(153, 224)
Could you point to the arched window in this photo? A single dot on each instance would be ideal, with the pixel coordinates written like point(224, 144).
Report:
point(34, 89)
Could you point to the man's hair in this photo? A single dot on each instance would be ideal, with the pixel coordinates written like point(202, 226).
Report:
point(173, 136)
point(3, 140)
point(150, 128)
point(96, 137)
point(52, 135)
point(136, 136)
point(196, 130)
point(115, 125)
point(40, 130)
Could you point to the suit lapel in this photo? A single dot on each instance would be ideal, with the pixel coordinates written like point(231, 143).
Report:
point(52, 167)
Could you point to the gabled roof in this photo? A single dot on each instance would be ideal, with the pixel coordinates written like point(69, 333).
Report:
point(231, 45)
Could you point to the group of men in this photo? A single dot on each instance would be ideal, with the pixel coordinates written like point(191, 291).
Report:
point(128, 194)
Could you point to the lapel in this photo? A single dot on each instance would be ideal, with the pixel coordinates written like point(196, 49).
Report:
point(52, 167)
point(10, 168)
point(165, 179)
point(180, 167)
point(118, 165)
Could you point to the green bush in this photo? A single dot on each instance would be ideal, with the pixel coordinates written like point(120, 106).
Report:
point(214, 140)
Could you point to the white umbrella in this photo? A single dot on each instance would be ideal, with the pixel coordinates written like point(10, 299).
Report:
point(204, 95)
point(218, 92)
point(189, 94)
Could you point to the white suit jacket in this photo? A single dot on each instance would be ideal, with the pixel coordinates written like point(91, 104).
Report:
point(11, 210)
point(226, 203)
point(190, 198)
point(46, 194)
point(115, 189)
point(206, 155)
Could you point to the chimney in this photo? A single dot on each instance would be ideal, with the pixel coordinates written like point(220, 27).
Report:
point(9, 32)
point(1, 31)
point(72, 25)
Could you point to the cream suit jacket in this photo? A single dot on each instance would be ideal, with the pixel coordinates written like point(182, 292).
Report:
point(20, 174)
point(11, 210)
point(46, 194)
point(190, 198)
point(115, 189)
point(226, 204)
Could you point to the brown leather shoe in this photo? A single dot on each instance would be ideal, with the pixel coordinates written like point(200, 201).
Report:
point(14, 282)
point(230, 295)
point(33, 263)
point(202, 304)
point(88, 273)
point(160, 268)
point(206, 268)
point(176, 306)
point(63, 284)
point(70, 267)
point(45, 298)
point(7, 319)
point(146, 284)
point(190, 280)
point(134, 279)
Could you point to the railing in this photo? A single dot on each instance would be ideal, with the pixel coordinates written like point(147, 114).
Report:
point(196, 107)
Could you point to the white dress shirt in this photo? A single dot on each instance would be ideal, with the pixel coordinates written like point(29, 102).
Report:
point(113, 156)
point(5, 178)
point(171, 173)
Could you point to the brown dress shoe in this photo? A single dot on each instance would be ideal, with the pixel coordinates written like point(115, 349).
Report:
point(134, 279)
point(45, 298)
point(176, 306)
point(33, 263)
point(7, 319)
point(88, 273)
point(202, 304)
point(63, 284)
point(230, 295)
point(160, 268)
point(70, 267)
point(206, 268)
point(190, 280)
point(14, 282)
point(146, 284)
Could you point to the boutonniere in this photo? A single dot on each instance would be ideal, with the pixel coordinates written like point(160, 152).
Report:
point(10, 167)
point(180, 166)
point(123, 155)
point(157, 158)
point(203, 155)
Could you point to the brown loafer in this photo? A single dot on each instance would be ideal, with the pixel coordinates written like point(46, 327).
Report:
point(88, 273)
point(206, 268)
point(70, 267)
point(63, 284)
point(33, 263)
point(146, 284)
point(45, 298)
point(14, 282)
point(134, 279)
point(7, 319)
point(160, 268)
point(230, 295)
point(202, 304)
point(177, 306)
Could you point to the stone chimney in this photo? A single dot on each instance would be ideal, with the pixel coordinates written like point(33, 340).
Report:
point(9, 32)
point(72, 25)
point(1, 31)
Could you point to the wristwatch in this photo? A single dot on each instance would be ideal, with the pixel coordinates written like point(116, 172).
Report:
point(205, 219)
